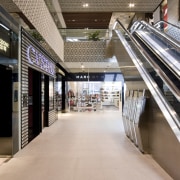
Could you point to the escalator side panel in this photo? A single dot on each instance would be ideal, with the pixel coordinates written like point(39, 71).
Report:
point(163, 144)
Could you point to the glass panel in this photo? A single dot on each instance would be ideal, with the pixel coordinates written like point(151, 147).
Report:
point(51, 93)
point(9, 93)
point(74, 35)
point(158, 81)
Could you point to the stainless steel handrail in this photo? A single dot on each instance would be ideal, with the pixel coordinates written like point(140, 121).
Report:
point(170, 40)
point(171, 117)
point(173, 65)
point(168, 59)
point(166, 23)
point(169, 29)
point(169, 83)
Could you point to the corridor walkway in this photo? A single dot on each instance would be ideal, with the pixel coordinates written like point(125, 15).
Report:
point(82, 146)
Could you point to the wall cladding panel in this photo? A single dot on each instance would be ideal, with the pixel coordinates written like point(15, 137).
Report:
point(33, 10)
point(52, 117)
point(88, 51)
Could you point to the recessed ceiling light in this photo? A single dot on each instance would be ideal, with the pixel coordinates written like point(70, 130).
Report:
point(131, 5)
point(2, 25)
point(82, 66)
point(85, 5)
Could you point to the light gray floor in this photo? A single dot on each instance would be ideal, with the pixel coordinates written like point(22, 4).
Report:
point(82, 146)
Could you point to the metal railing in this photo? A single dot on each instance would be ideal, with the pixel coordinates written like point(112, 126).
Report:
point(152, 76)
point(171, 29)
point(74, 35)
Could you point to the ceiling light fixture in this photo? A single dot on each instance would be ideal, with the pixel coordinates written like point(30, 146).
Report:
point(82, 66)
point(2, 25)
point(131, 5)
point(85, 5)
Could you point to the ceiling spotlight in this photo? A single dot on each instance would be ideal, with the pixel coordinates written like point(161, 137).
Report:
point(131, 5)
point(82, 66)
point(85, 5)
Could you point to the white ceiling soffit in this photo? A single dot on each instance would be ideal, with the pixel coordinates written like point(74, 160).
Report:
point(57, 8)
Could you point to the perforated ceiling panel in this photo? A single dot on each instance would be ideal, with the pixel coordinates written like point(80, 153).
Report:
point(108, 5)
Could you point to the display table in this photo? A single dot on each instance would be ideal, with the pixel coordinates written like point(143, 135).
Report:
point(84, 108)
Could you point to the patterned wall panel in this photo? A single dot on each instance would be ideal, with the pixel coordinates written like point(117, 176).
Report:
point(38, 14)
point(89, 51)
point(52, 117)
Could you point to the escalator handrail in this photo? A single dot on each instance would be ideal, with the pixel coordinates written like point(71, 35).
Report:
point(171, 30)
point(171, 118)
point(162, 21)
point(158, 32)
point(165, 77)
point(175, 68)
point(170, 40)
point(169, 83)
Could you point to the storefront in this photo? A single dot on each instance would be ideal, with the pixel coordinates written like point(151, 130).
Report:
point(9, 87)
point(58, 92)
point(38, 108)
point(95, 91)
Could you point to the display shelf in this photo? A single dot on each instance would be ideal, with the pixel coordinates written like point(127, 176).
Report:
point(109, 97)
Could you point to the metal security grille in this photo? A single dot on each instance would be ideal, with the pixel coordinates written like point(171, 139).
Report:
point(26, 41)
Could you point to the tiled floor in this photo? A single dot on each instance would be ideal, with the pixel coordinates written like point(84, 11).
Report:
point(82, 146)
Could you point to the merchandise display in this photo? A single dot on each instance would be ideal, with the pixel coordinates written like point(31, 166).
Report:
point(93, 96)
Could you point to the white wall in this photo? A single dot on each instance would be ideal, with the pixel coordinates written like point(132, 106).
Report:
point(173, 11)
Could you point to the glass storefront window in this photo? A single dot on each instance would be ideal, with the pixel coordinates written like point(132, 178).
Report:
point(51, 93)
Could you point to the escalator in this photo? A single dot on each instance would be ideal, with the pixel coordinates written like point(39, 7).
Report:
point(159, 114)
point(164, 47)
point(173, 31)
point(164, 53)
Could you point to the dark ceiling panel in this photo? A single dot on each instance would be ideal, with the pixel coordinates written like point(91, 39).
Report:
point(87, 20)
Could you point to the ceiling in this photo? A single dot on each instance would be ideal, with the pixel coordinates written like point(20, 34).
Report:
point(89, 14)
point(99, 14)
point(96, 14)
point(90, 20)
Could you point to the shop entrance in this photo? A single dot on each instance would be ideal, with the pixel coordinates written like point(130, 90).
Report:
point(5, 110)
point(34, 108)
point(94, 96)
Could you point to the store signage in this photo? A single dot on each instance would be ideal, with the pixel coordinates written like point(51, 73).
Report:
point(96, 77)
point(39, 60)
point(85, 77)
point(4, 46)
